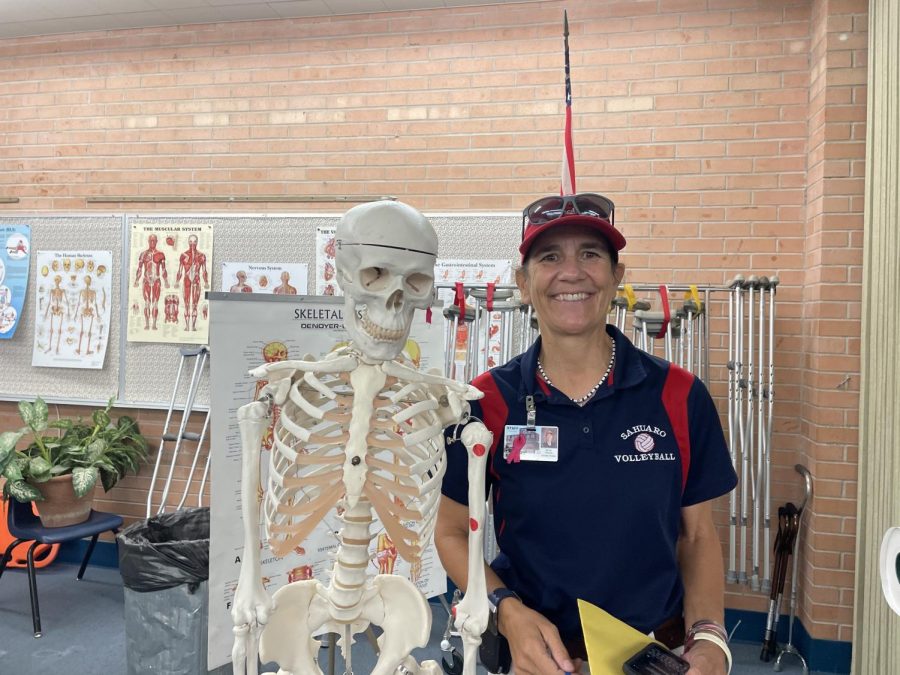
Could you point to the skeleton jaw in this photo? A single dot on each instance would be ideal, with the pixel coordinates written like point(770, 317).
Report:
point(370, 337)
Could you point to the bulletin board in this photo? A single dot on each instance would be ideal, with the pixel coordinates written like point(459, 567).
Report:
point(18, 378)
point(143, 374)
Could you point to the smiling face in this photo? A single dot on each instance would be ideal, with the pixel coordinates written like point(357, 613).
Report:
point(570, 279)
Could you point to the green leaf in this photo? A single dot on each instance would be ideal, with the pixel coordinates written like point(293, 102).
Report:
point(15, 470)
point(109, 479)
point(8, 442)
point(34, 414)
point(95, 450)
point(39, 469)
point(23, 492)
point(26, 412)
point(59, 470)
point(64, 423)
point(101, 418)
point(84, 479)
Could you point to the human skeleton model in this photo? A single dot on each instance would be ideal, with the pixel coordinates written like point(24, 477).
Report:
point(152, 264)
point(191, 265)
point(55, 312)
point(87, 304)
point(358, 430)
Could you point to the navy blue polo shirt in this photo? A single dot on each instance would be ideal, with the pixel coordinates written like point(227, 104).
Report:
point(601, 523)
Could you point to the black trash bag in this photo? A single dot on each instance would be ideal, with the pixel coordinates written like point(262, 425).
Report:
point(166, 551)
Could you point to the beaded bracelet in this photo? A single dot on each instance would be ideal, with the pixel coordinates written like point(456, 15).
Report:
point(710, 636)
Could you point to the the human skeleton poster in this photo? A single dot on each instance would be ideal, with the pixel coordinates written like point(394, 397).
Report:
point(73, 305)
point(170, 269)
point(245, 334)
point(272, 278)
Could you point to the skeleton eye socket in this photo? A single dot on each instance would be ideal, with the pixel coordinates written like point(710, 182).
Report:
point(374, 278)
point(419, 284)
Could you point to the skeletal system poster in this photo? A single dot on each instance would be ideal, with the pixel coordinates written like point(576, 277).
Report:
point(170, 270)
point(73, 305)
point(14, 259)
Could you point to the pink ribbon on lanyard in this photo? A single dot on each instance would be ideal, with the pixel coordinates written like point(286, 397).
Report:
point(490, 296)
point(667, 312)
point(515, 453)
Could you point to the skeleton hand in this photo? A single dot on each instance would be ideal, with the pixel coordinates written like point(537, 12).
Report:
point(453, 400)
point(250, 613)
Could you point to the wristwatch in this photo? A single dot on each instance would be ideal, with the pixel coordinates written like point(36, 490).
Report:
point(498, 595)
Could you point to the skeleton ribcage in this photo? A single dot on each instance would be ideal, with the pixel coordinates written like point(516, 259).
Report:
point(404, 461)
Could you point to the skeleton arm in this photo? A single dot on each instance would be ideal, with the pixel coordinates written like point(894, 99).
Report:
point(472, 611)
point(252, 605)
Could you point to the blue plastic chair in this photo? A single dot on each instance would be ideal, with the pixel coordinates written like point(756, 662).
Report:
point(25, 526)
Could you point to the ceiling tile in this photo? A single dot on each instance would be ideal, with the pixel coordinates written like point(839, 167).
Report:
point(355, 6)
point(292, 8)
point(246, 12)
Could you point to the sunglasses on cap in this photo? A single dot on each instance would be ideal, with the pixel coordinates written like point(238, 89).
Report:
point(548, 209)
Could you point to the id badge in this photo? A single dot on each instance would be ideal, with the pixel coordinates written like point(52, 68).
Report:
point(523, 444)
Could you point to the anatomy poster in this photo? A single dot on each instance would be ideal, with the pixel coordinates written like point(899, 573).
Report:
point(73, 305)
point(170, 268)
point(244, 335)
point(325, 268)
point(473, 273)
point(14, 258)
point(272, 278)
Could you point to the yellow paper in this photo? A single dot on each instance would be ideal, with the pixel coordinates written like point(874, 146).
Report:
point(610, 643)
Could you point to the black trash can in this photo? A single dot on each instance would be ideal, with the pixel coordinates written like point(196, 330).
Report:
point(164, 562)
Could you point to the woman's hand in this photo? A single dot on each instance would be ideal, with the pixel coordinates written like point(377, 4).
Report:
point(705, 659)
point(534, 642)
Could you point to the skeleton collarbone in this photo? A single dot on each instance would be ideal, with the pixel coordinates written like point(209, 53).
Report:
point(367, 434)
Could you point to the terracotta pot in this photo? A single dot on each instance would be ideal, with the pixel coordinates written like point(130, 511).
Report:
point(60, 506)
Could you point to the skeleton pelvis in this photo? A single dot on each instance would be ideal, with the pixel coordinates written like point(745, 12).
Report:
point(302, 609)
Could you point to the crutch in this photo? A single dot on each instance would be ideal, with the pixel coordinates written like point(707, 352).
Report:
point(761, 440)
point(788, 521)
point(620, 306)
point(740, 385)
point(789, 648)
point(693, 309)
point(731, 575)
point(770, 400)
point(200, 355)
point(752, 284)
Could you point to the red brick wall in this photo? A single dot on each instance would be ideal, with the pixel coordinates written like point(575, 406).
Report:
point(730, 133)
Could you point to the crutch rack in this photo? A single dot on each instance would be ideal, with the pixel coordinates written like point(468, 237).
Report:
point(673, 322)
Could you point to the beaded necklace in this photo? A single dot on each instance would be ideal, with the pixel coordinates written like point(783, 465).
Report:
point(588, 396)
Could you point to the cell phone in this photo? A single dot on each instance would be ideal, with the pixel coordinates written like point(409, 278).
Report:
point(494, 651)
point(654, 659)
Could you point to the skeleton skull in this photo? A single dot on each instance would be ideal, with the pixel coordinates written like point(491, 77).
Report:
point(385, 265)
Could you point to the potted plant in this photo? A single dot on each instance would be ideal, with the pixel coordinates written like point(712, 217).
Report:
point(67, 457)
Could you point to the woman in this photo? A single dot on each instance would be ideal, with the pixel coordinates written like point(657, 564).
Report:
point(620, 513)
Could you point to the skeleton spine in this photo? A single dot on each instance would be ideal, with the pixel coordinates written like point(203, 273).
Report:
point(348, 579)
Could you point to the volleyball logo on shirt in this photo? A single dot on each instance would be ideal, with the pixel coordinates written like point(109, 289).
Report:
point(644, 442)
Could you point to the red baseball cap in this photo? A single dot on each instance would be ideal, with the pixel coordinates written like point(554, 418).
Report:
point(593, 211)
